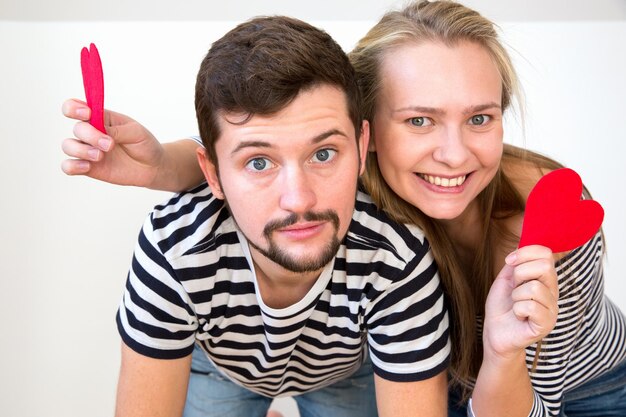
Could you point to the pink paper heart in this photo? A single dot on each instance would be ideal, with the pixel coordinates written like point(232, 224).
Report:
point(93, 81)
point(556, 216)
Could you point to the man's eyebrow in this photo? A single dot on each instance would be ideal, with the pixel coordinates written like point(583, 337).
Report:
point(327, 134)
point(262, 144)
point(250, 144)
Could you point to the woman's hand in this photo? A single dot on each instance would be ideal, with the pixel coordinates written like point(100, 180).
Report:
point(522, 305)
point(128, 155)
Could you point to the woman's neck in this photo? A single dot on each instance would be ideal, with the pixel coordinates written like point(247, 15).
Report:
point(466, 234)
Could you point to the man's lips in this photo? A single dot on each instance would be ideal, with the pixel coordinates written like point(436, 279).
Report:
point(302, 228)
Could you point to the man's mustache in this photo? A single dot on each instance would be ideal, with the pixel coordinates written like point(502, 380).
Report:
point(310, 216)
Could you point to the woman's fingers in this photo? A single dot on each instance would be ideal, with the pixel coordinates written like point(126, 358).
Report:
point(536, 291)
point(88, 134)
point(534, 263)
point(75, 166)
point(81, 150)
point(76, 109)
point(540, 319)
point(533, 301)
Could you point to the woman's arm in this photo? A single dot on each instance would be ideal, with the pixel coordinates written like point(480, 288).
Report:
point(129, 154)
point(521, 308)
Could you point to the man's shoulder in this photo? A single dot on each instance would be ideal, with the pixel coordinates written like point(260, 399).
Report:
point(372, 232)
point(364, 208)
point(189, 222)
point(368, 215)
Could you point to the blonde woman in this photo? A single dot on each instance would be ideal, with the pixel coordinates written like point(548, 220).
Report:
point(436, 81)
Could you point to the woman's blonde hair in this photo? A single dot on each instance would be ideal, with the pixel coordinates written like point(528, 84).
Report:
point(449, 23)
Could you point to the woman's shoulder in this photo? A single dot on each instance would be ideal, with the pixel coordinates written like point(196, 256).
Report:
point(523, 174)
point(524, 167)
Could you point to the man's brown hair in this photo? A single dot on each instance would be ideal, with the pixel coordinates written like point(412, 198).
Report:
point(262, 65)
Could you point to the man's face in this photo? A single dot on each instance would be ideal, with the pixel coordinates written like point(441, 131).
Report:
point(290, 179)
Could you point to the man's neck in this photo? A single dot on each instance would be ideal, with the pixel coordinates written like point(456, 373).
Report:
point(280, 287)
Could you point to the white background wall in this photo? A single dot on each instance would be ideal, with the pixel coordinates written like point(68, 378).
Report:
point(66, 243)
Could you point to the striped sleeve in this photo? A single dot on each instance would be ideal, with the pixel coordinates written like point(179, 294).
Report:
point(408, 323)
point(581, 301)
point(586, 339)
point(538, 409)
point(155, 317)
point(535, 411)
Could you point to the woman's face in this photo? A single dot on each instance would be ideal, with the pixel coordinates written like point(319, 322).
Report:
point(438, 125)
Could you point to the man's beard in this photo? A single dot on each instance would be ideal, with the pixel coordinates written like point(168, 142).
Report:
point(291, 263)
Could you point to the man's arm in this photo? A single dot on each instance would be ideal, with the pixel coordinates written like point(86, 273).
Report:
point(427, 398)
point(151, 387)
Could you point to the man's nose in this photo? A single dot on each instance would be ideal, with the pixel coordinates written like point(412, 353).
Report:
point(297, 191)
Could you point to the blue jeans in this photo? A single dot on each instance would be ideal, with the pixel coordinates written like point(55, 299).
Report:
point(211, 395)
point(602, 396)
point(455, 407)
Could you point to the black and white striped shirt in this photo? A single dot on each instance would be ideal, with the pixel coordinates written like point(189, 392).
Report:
point(590, 334)
point(191, 281)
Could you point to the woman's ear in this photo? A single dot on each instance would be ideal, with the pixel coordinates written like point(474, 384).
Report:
point(371, 147)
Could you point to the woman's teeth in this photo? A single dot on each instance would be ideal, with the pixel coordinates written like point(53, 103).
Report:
point(444, 182)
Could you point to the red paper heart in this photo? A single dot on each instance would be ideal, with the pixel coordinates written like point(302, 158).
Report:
point(556, 216)
point(93, 81)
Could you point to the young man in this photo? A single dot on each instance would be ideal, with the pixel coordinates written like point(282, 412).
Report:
point(272, 270)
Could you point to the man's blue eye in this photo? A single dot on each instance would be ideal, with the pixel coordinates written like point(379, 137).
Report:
point(259, 164)
point(420, 121)
point(324, 155)
point(479, 119)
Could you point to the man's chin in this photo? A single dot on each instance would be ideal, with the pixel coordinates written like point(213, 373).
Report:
point(299, 265)
point(300, 262)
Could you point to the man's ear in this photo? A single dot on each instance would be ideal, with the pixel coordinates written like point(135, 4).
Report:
point(364, 145)
point(210, 172)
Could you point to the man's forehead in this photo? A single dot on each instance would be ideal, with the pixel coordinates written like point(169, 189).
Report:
point(320, 94)
point(311, 116)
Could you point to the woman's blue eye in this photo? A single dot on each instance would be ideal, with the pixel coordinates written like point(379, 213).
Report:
point(417, 121)
point(259, 164)
point(324, 155)
point(479, 119)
